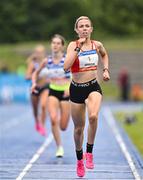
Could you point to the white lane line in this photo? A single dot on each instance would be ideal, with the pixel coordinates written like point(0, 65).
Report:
point(35, 157)
point(111, 121)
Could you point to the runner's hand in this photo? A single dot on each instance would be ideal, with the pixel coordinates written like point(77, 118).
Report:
point(66, 93)
point(81, 41)
point(33, 88)
point(106, 76)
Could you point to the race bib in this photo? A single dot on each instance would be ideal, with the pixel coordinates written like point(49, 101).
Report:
point(88, 59)
point(56, 73)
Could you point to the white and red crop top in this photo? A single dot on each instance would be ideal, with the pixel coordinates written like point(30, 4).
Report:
point(86, 60)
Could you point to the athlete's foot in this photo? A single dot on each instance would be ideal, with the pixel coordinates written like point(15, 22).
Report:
point(37, 126)
point(89, 160)
point(40, 129)
point(60, 151)
point(80, 168)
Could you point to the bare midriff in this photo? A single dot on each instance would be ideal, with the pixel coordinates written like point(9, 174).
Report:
point(81, 77)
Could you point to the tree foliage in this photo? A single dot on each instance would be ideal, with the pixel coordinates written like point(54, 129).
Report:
point(26, 20)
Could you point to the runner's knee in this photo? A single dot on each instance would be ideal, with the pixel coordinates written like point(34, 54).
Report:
point(63, 128)
point(93, 118)
point(54, 120)
point(79, 130)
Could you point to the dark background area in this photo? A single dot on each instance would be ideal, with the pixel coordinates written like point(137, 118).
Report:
point(30, 20)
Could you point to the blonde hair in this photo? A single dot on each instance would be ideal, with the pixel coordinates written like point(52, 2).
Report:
point(40, 48)
point(80, 18)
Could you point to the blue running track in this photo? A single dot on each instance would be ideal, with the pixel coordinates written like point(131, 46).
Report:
point(24, 154)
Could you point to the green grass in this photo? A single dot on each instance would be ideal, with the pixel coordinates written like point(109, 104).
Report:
point(134, 130)
point(10, 58)
point(110, 91)
point(15, 55)
point(123, 44)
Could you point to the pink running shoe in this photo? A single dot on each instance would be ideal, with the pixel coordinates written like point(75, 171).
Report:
point(40, 129)
point(80, 168)
point(89, 160)
point(37, 126)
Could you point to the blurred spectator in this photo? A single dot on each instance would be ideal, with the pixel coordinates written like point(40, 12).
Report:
point(137, 93)
point(124, 84)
